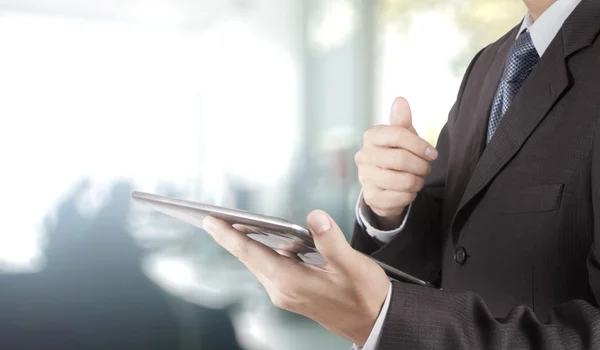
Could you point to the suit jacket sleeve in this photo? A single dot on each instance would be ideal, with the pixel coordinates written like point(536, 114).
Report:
point(418, 248)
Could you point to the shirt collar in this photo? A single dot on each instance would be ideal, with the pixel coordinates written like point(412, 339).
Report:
point(548, 24)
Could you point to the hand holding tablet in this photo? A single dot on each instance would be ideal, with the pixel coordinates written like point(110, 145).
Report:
point(275, 233)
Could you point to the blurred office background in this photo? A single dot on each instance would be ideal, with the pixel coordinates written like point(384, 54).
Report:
point(255, 104)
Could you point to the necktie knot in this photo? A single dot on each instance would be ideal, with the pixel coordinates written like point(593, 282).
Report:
point(521, 60)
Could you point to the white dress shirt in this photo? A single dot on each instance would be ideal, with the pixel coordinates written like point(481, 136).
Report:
point(365, 218)
point(542, 32)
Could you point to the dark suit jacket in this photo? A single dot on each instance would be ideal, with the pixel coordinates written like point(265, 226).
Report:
point(508, 230)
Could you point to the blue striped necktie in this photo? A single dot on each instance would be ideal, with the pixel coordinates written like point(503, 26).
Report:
point(520, 62)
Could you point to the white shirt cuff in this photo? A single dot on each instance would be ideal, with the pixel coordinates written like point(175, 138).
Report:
point(366, 221)
point(373, 341)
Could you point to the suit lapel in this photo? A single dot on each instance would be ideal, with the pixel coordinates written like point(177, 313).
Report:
point(544, 87)
point(488, 92)
point(476, 107)
point(540, 92)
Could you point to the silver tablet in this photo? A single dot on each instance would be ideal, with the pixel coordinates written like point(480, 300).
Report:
point(273, 232)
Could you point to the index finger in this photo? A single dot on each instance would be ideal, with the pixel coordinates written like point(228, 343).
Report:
point(400, 137)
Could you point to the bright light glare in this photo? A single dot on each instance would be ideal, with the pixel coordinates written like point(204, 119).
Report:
point(89, 98)
point(176, 273)
point(20, 254)
point(417, 66)
point(334, 25)
point(107, 100)
point(253, 104)
point(158, 12)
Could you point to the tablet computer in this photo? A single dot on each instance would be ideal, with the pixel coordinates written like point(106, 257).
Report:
point(275, 233)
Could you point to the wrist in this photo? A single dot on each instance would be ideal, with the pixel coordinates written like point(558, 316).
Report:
point(371, 340)
point(388, 223)
point(370, 320)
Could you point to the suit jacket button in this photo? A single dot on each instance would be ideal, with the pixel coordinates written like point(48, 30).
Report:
point(460, 255)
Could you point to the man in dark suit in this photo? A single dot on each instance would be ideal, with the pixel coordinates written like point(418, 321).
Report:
point(502, 217)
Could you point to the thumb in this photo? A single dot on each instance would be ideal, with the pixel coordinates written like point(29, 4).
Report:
point(401, 115)
point(329, 238)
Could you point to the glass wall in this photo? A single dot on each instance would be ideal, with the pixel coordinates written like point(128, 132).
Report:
point(254, 104)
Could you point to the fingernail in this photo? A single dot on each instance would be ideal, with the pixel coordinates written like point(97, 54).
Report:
point(431, 153)
point(208, 223)
point(319, 222)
